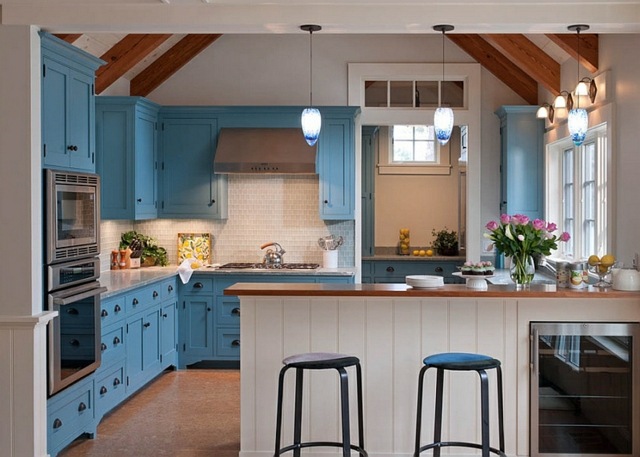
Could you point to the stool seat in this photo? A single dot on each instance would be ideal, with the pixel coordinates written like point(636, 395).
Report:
point(461, 361)
point(320, 360)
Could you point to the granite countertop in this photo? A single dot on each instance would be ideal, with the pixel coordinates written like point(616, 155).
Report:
point(118, 281)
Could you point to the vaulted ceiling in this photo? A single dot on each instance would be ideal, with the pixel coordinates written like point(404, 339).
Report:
point(148, 60)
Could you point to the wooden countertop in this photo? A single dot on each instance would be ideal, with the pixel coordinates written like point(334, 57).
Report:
point(402, 290)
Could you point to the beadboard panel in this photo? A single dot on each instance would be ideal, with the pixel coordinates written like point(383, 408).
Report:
point(391, 337)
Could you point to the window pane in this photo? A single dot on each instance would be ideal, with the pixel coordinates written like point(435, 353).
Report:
point(375, 93)
point(425, 151)
point(403, 132)
point(413, 143)
point(402, 151)
point(424, 132)
point(453, 94)
point(427, 91)
point(401, 94)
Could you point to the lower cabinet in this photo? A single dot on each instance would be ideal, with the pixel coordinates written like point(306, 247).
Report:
point(210, 320)
point(395, 271)
point(143, 348)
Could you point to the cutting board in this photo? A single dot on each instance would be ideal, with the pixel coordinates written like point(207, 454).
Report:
point(194, 246)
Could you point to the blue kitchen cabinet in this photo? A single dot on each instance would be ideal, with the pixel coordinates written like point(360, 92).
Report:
point(169, 334)
point(522, 161)
point(68, 107)
point(336, 164)
point(189, 188)
point(126, 149)
point(143, 348)
point(396, 271)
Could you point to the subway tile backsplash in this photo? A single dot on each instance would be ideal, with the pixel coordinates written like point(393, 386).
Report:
point(280, 208)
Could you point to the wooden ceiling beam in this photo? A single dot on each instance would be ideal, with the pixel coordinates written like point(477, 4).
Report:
point(498, 64)
point(588, 47)
point(530, 58)
point(68, 37)
point(170, 62)
point(124, 55)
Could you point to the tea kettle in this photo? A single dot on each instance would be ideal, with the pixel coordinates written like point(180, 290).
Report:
point(626, 279)
point(273, 258)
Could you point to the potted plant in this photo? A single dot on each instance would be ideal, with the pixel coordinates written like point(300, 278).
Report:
point(446, 241)
point(152, 254)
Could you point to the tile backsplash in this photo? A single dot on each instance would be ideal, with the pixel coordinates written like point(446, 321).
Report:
point(280, 208)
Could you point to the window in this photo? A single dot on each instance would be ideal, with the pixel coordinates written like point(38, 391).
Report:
point(581, 189)
point(413, 144)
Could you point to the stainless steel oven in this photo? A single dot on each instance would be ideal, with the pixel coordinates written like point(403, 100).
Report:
point(74, 335)
point(72, 215)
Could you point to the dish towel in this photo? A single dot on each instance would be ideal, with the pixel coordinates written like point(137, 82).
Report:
point(185, 271)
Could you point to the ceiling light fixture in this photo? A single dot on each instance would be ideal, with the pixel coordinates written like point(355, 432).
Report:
point(578, 121)
point(443, 117)
point(587, 87)
point(563, 100)
point(310, 118)
point(546, 110)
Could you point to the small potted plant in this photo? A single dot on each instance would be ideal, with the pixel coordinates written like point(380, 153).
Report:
point(445, 242)
point(152, 254)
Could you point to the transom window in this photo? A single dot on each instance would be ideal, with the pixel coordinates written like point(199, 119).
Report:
point(413, 144)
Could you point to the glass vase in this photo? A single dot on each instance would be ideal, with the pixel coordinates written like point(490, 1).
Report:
point(522, 270)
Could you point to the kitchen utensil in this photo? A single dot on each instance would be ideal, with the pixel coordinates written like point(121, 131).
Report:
point(136, 248)
point(329, 243)
point(273, 258)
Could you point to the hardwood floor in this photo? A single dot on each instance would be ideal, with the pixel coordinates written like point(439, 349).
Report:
point(190, 413)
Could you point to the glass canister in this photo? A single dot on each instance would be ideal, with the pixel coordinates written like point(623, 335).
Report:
point(404, 242)
point(578, 276)
point(563, 274)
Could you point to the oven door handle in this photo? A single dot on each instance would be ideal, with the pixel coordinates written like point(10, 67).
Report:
point(77, 297)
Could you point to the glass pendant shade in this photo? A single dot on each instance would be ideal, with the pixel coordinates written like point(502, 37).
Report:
point(542, 112)
point(581, 89)
point(560, 102)
point(311, 123)
point(578, 123)
point(443, 124)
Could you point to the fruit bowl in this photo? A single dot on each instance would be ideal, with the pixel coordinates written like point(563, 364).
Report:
point(602, 271)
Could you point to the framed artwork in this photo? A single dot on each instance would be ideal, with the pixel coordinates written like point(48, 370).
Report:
point(194, 246)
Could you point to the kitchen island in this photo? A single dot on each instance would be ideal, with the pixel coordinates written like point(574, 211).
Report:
point(391, 328)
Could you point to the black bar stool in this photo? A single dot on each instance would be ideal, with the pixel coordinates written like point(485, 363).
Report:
point(321, 361)
point(460, 361)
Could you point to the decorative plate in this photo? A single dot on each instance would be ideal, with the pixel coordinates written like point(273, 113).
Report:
point(194, 246)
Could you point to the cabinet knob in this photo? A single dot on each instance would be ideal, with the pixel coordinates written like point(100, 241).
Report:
point(170, 288)
point(117, 309)
point(164, 315)
point(390, 269)
point(116, 382)
point(326, 202)
point(57, 423)
point(146, 324)
point(439, 270)
point(72, 147)
point(139, 200)
point(104, 313)
point(103, 390)
point(155, 294)
point(116, 340)
point(135, 301)
point(103, 347)
point(74, 342)
point(73, 311)
point(198, 285)
point(235, 311)
point(235, 343)
point(208, 309)
point(82, 407)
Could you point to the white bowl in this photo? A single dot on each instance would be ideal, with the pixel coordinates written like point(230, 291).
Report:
point(424, 281)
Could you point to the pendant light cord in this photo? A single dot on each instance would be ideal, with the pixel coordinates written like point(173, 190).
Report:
point(310, 68)
point(441, 82)
point(578, 47)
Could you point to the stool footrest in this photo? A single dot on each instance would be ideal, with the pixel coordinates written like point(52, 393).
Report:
point(291, 447)
point(459, 444)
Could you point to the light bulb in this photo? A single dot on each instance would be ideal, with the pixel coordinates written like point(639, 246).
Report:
point(560, 102)
point(443, 124)
point(311, 123)
point(578, 123)
point(542, 112)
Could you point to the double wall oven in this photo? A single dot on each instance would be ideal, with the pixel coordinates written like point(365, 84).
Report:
point(72, 270)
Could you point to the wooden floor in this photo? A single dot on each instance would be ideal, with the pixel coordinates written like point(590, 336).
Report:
point(189, 413)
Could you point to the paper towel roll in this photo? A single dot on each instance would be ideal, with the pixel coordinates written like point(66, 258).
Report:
point(330, 259)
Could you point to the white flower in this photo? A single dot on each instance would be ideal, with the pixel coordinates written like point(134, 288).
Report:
point(521, 237)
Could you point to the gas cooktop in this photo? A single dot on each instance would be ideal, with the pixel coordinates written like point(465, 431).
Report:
point(262, 266)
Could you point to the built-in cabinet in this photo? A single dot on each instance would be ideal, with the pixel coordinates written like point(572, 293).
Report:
point(522, 161)
point(139, 335)
point(68, 109)
point(127, 157)
point(395, 271)
point(210, 320)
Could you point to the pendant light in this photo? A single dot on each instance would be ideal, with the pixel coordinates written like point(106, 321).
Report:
point(443, 117)
point(310, 118)
point(578, 121)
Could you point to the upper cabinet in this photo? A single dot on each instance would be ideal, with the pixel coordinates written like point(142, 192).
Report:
point(522, 164)
point(189, 188)
point(68, 110)
point(336, 163)
point(126, 150)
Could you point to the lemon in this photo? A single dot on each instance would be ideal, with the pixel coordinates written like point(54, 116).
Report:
point(422, 253)
point(429, 252)
point(416, 252)
point(603, 268)
point(608, 260)
point(594, 260)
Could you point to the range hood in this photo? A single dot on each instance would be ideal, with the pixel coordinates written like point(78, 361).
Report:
point(263, 150)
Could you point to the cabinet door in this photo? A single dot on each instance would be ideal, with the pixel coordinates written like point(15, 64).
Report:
point(336, 162)
point(198, 326)
point(168, 334)
point(151, 343)
point(81, 121)
point(189, 186)
point(54, 114)
point(143, 347)
point(135, 331)
point(145, 167)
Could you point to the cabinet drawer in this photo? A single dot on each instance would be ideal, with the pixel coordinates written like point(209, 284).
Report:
point(401, 269)
point(169, 289)
point(110, 391)
point(113, 346)
point(228, 342)
point(198, 286)
point(112, 310)
point(228, 311)
point(79, 314)
point(143, 297)
point(70, 414)
point(78, 344)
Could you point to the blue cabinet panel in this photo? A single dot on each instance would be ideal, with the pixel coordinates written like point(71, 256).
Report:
point(197, 326)
point(168, 334)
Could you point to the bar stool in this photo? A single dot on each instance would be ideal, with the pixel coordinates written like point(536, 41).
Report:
point(460, 361)
point(321, 361)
